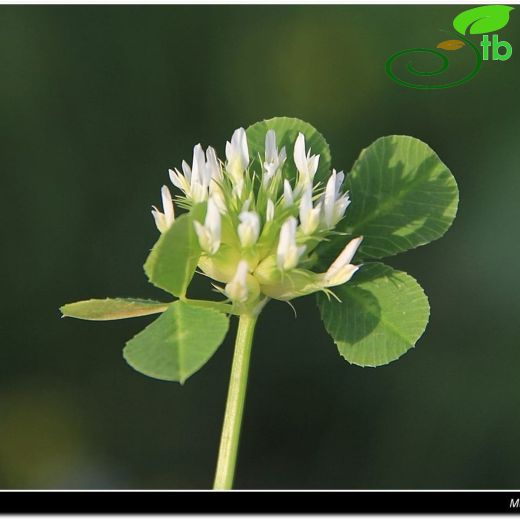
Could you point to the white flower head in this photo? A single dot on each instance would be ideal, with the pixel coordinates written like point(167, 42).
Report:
point(309, 216)
point(163, 221)
point(237, 290)
point(237, 155)
point(341, 270)
point(334, 203)
point(249, 228)
point(266, 199)
point(306, 164)
point(288, 253)
point(209, 233)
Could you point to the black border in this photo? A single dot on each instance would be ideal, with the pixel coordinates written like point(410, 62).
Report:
point(258, 502)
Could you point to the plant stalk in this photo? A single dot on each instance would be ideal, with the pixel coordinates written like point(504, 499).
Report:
point(229, 439)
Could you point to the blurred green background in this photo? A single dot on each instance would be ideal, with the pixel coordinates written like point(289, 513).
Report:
point(96, 103)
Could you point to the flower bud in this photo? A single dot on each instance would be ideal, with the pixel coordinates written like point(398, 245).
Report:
point(243, 287)
point(209, 233)
point(288, 253)
point(341, 270)
point(249, 228)
point(163, 221)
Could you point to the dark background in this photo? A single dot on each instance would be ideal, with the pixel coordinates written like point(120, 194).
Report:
point(96, 103)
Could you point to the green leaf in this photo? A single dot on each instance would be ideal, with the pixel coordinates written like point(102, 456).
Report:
point(403, 196)
point(483, 19)
point(287, 129)
point(173, 259)
point(382, 314)
point(177, 343)
point(112, 309)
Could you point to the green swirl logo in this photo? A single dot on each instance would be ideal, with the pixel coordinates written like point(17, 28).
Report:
point(479, 20)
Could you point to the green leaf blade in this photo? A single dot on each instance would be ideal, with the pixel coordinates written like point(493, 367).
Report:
point(172, 262)
point(178, 343)
point(403, 196)
point(382, 314)
point(287, 130)
point(112, 309)
point(483, 19)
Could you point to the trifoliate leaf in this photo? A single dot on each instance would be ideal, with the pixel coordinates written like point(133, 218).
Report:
point(287, 130)
point(173, 259)
point(112, 309)
point(403, 196)
point(177, 343)
point(383, 312)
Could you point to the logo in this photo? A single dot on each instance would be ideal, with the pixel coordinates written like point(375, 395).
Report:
point(477, 21)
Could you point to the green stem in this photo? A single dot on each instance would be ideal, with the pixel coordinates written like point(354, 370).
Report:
point(227, 455)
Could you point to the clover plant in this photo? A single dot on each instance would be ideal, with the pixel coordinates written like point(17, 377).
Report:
point(274, 221)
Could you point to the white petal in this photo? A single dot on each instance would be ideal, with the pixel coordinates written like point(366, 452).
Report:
point(199, 162)
point(249, 228)
point(329, 199)
point(346, 256)
point(218, 198)
point(241, 273)
point(204, 236)
point(288, 253)
point(229, 151)
point(269, 212)
point(237, 158)
point(209, 233)
point(179, 181)
point(246, 205)
point(237, 289)
point(305, 204)
point(271, 151)
point(287, 232)
point(212, 164)
point(243, 148)
point(287, 193)
point(339, 181)
point(187, 170)
point(340, 276)
point(300, 158)
point(213, 221)
point(160, 221)
point(313, 165)
point(237, 152)
point(199, 192)
point(167, 203)
point(269, 172)
point(340, 207)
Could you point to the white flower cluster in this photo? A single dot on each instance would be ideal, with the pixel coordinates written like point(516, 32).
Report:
point(260, 229)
